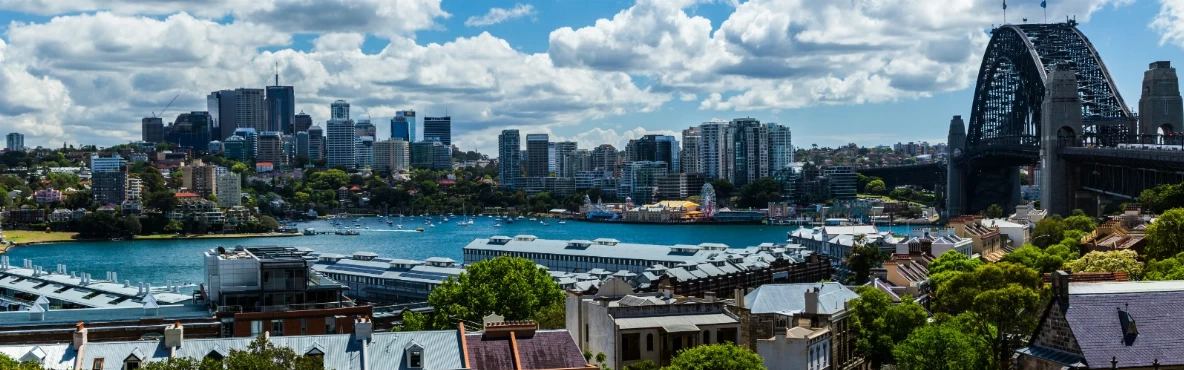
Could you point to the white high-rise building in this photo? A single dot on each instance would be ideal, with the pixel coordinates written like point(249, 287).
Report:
point(392, 155)
point(229, 189)
point(339, 143)
point(250, 109)
point(690, 160)
point(714, 153)
point(780, 147)
point(363, 151)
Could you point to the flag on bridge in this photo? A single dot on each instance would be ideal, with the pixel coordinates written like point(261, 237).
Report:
point(1004, 4)
point(1044, 4)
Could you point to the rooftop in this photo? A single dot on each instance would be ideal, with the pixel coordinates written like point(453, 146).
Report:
point(603, 247)
point(790, 298)
point(74, 289)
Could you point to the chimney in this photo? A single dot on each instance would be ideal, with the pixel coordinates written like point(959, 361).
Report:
point(173, 335)
point(363, 329)
point(114, 277)
point(739, 297)
point(79, 336)
point(709, 297)
point(1060, 286)
point(812, 300)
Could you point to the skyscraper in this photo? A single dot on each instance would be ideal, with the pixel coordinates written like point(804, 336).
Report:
point(200, 178)
point(714, 153)
point(339, 142)
point(340, 110)
point(604, 157)
point(565, 165)
point(654, 148)
point(235, 147)
point(229, 189)
point(508, 166)
point(780, 147)
point(537, 147)
point(271, 149)
point(281, 108)
point(302, 144)
point(690, 160)
point(234, 109)
point(303, 121)
point(251, 141)
point(16, 141)
point(108, 179)
point(191, 130)
point(363, 127)
point(220, 104)
point(438, 129)
point(152, 130)
point(392, 155)
point(403, 125)
point(316, 143)
point(363, 151)
point(750, 151)
point(431, 154)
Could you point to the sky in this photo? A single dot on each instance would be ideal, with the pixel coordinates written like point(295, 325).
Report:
point(869, 72)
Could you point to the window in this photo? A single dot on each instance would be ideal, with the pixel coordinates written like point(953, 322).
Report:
point(330, 325)
point(586, 333)
point(706, 337)
point(415, 359)
point(303, 326)
point(649, 342)
point(98, 364)
point(630, 347)
point(256, 327)
point(277, 327)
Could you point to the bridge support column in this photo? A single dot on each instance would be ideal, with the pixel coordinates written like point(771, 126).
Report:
point(1160, 106)
point(1060, 126)
point(954, 192)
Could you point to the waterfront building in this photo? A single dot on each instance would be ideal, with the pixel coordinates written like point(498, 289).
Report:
point(843, 182)
point(339, 140)
point(749, 268)
point(302, 121)
point(639, 180)
point(403, 126)
point(235, 148)
point(15, 141)
point(595, 179)
point(632, 327)
point(551, 157)
point(281, 108)
point(690, 160)
point(585, 255)
point(316, 143)
point(108, 179)
point(780, 147)
point(275, 289)
point(793, 324)
point(339, 110)
point(302, 143)
point(835, 241)
point(152, 130)
point(749, 151)
point(431, 155)
point(271, 149)
point(388, 280)
point(680, 185)
point(565, 161)
point(508, 166)
point(251, 143)
point(392, 155)
point(44, 326)
point(191, 130)
point(200, 178)
point(654, 148)
point(604, 157)
point(715, 155)
point(438, 129)
point(557, 186)
point(537, 149)
point(28, 285)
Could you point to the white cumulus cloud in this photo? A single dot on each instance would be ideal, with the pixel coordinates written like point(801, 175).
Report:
point(499, 15)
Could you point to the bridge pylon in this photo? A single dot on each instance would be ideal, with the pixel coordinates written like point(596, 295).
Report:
point(1061, 126)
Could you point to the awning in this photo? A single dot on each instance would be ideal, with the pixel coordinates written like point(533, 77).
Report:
point(680, 328)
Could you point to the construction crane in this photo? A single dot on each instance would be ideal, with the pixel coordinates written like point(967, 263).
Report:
point(166, 107)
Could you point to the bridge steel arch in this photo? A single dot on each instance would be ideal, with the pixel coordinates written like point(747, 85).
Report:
point(1005, 131)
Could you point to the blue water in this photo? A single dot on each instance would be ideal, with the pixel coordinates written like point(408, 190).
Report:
point(157, 261)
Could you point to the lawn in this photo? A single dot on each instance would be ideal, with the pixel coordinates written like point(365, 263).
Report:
point(208, 236)
point(27, 236)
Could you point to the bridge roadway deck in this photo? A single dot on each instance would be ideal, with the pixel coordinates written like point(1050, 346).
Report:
point(1157, 159)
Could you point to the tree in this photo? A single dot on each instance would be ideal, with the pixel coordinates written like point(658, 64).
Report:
point(879, 325)
point(1043, 260)
point(723, 189)
point(263, 355)
point(552, 317)
point(876, 187)
point(164, 201)
point(10, 363)
point(131, 226)
point(514, 288)
point(723, 356)
point(1048, 231)
point(642, 365)
point(1082, 223)
point(994, 211)
point(269, 222)
point(1124, 260)
point(412, 321)
point(173, 226)
point(99, 225)
point(936, 347)
point(1165, 269)
point(82, 199)
point(953, 261)
point(1001, 299)
point(184, 363)
point(1165, 237)
point(863, 258)
point(759, 193)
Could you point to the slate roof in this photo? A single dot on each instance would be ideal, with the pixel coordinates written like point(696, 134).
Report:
point(790, 298)
point(546, 349)
point(1156, 307)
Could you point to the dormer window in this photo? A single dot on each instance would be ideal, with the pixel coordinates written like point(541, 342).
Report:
point(414, 356)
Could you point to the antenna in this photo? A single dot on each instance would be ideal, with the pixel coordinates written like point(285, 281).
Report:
point(166, 107)
point(277, 73)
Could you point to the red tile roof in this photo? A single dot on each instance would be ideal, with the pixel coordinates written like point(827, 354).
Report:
point(187, 195)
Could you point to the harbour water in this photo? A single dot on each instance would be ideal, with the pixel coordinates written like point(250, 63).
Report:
point(158, 261)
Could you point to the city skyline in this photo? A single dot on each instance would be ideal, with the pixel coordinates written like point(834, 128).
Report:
point(592, 95)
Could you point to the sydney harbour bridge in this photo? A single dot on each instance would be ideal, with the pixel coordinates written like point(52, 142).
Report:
point(1045, 100)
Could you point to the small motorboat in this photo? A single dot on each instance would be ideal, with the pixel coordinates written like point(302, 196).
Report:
point(533, 219)
point(497, 225)
point(400, 227)
point(562, 222)
point(419, 229)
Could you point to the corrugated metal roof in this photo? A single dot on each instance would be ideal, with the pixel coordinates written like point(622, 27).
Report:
point(774, 298)
point(663, 321)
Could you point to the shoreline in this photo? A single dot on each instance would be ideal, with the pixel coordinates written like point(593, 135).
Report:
point(4, 248)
